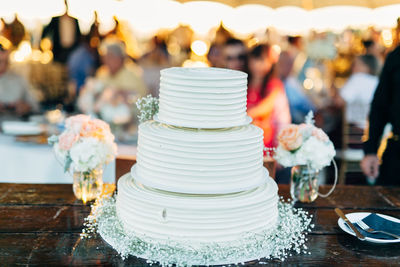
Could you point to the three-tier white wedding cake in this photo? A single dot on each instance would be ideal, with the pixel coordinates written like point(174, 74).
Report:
point(199, 176)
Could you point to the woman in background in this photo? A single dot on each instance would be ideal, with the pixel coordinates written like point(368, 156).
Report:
point(267, 103)
point(358, 91)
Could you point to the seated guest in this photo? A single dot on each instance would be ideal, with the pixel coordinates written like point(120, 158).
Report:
point(235, 55)
point(267, 103)
point(113, 92)
point(299, 104)
point(359, 90)
point(15, 95)
point(118, 73)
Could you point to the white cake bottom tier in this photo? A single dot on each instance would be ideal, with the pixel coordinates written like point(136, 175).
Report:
point(163, 215)
point(196, 161)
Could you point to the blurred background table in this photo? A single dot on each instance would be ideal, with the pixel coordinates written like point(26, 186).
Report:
point(41, 225)
point(27, 162)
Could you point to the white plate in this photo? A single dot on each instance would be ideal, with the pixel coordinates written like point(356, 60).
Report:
point(357, 216)
point(21, 128)
point(205, 125)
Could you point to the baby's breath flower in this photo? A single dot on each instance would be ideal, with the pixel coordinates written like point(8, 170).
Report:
point(287, 239)
point(148, 107)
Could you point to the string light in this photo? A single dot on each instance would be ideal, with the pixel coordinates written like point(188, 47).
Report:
point(387, 38)
point(199, 47)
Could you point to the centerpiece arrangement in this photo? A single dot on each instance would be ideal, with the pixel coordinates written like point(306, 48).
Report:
point(199, 172)
point(307, 149)
point(83, 148)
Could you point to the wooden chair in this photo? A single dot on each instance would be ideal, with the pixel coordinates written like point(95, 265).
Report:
point(351, 152)
point(124, 164)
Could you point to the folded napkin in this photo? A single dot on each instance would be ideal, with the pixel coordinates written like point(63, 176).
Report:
point(376, 222)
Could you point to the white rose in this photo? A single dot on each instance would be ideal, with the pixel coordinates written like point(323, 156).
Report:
point(317, 153)
point(289, 159)
point(87, 154)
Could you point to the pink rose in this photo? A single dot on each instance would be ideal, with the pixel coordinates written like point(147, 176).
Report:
point(319, 134)
point(95, 128)
point(101, 125)
point(76, 122)
point(67, 140)
point(290, 137)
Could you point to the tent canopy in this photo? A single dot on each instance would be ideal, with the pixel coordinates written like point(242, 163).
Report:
point(305, 4)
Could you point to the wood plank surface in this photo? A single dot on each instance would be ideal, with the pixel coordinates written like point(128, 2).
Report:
point(70, 249)
point(344, 196)
point(23, 219)
point(37, 194)
point(40, 225)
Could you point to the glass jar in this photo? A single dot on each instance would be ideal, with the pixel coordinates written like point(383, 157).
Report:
point(88, 185)
point(304, 183)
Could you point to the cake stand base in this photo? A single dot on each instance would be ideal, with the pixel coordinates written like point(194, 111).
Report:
point(289, 237)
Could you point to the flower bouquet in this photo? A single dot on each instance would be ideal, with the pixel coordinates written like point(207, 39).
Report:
point(307, 149)
point(83, 148)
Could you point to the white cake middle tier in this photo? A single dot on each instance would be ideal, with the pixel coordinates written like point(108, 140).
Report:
point(199, 161)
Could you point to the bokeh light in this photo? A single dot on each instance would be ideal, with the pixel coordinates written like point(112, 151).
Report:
point(199, 47)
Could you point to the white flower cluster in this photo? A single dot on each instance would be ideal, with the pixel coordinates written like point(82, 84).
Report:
point(288, 238)
point(89, 153)
point(304, 144)
point(148, 107)
point(85, 144)
point(313, 152)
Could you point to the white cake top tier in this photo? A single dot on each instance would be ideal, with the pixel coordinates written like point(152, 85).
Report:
point(203, 97)
point(199, 161)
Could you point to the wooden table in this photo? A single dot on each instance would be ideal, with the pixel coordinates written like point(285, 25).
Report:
point(41, 224)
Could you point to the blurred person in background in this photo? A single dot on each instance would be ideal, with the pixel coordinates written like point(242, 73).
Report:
point(113, 92)
point(359, 89)
point(81, 64)
point(117, 71)
point(296, 51)
point(299, 103)
point(267, 103)
point(215, 57)
point(16, 98)
point(373, 48)
point(64, 33)
point(157, 55)
point(235, 55)
point(385, 108)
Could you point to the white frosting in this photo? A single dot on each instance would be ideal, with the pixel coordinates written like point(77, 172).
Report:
point(203, 97)
point(199, 161)
point(193, 184)
point(204, 218)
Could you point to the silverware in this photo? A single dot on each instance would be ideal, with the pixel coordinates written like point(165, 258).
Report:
point(341, 215)
point(365, 227)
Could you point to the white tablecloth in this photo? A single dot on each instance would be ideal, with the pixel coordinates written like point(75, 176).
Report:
point(33, 163)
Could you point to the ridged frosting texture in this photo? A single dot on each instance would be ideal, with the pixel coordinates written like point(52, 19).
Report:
point(202, 97)
point(204, 218)
point(199, 161)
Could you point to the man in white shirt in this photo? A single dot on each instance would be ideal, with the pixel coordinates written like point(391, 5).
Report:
point(15, 95)
point(359, 90)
